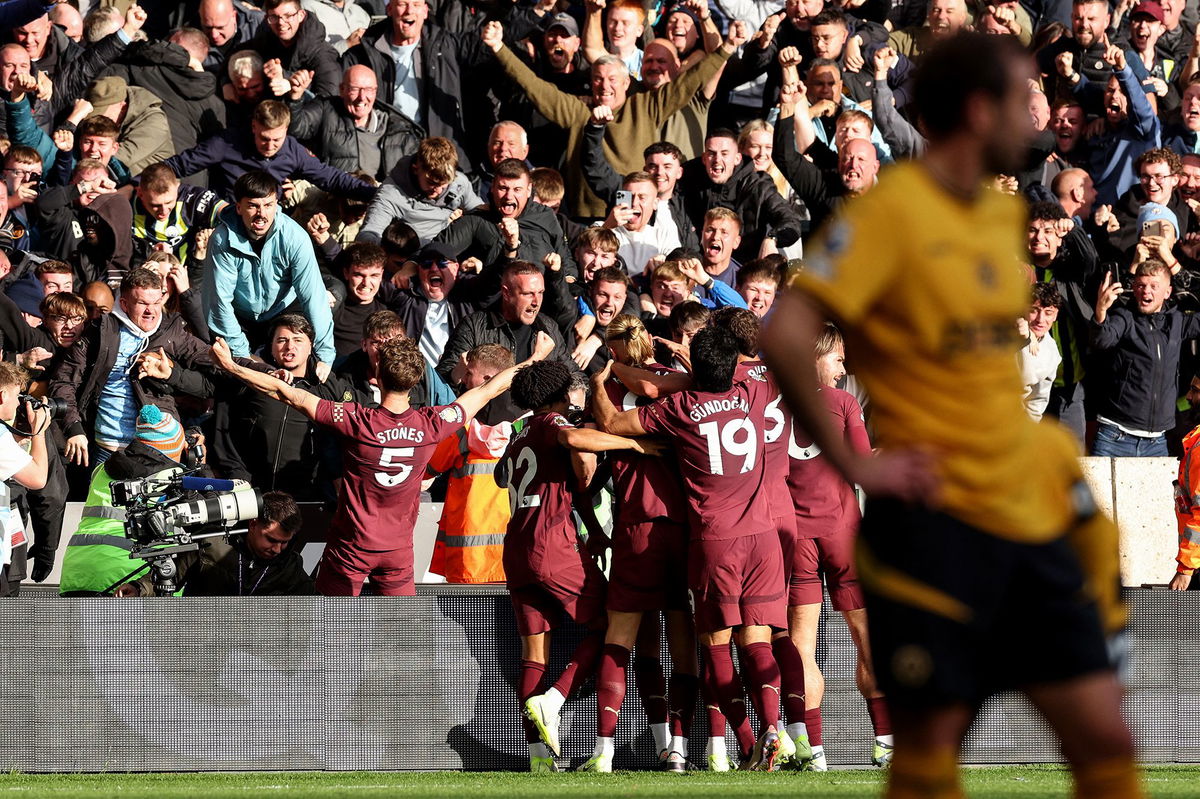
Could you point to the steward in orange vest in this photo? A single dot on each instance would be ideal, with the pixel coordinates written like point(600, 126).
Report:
point(470, 539)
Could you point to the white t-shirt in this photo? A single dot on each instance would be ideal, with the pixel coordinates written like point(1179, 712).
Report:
point(13, 458)
point(659, 238)
point(1038, 371)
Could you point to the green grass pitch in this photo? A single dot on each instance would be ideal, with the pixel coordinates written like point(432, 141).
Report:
point(992, 783)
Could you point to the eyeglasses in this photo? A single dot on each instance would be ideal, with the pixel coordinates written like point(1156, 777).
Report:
point(277, 18)
point(70, 320)
point(27, 173)
point(1159, 179)
point(437, 264)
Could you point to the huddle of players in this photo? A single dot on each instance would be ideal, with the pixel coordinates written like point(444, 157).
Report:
point(766, 520)
point(735, 489)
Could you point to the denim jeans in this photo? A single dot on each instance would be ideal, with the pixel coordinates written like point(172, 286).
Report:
point(1111, 442)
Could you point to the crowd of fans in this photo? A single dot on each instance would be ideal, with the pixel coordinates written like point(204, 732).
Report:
point(313, 178)
point(341, 210)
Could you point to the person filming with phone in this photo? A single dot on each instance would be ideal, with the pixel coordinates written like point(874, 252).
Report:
point(637, 225)
point(1142, 339)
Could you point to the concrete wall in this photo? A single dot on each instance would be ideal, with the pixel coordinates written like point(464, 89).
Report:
point(1137, 492)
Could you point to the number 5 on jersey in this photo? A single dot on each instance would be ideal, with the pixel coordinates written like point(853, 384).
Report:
point(389, 459)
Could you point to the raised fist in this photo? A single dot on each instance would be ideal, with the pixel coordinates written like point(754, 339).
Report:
point(493, 36)
point(885, 59)
point(135, 18)
point(737, 34)
point(1065, 64)
point(790, 57)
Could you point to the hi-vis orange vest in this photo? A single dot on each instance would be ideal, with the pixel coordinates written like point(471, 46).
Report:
point(1187, 504)
point(470, 539)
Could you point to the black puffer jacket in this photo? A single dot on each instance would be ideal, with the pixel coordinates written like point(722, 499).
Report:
point(60, 51)
point(309, 50)
point(268, 442)
point(324, 126)
point(1141, 384)
point(190, 99)
point(440, 62)
point(751, 194)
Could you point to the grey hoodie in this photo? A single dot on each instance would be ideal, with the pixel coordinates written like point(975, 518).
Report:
point(400, 198)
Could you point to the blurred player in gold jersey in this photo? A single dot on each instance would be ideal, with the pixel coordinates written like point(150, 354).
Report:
point(984, 562)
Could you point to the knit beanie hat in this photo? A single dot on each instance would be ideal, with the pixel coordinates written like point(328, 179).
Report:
point(161, 431)
point(1156, 212)
point(27, 294)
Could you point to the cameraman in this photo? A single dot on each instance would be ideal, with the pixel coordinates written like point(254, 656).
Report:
point(97, 557)
point(258, 563)
point(27, 469)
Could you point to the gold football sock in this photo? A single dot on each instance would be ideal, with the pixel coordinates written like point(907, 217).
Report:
point(923, 774)
point(1108, 779)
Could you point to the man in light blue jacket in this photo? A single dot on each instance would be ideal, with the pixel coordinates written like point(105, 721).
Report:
point(263, 265)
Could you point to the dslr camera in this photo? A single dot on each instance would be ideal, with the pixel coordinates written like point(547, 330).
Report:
point(53, 405)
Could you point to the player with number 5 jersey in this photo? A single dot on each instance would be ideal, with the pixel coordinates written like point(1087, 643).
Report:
point(384, 452)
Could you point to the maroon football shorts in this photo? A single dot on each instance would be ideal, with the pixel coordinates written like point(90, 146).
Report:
point(646, 573)
point(343, 569)
point(786, 527)
point(558, 577)
point(830, 557)
point(738, 582)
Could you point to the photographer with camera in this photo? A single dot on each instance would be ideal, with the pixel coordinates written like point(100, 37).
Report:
point(39, 350)
point(259, 563)
point(97, 556)
point(27, 468)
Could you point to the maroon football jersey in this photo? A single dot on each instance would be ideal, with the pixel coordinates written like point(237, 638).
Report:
point(383, 460)
point(776, 421)
point(825, 502)
point(540, 477)
point(719, 446)
point(645, 488)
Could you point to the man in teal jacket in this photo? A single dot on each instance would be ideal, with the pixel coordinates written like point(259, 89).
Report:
point(263, 265)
